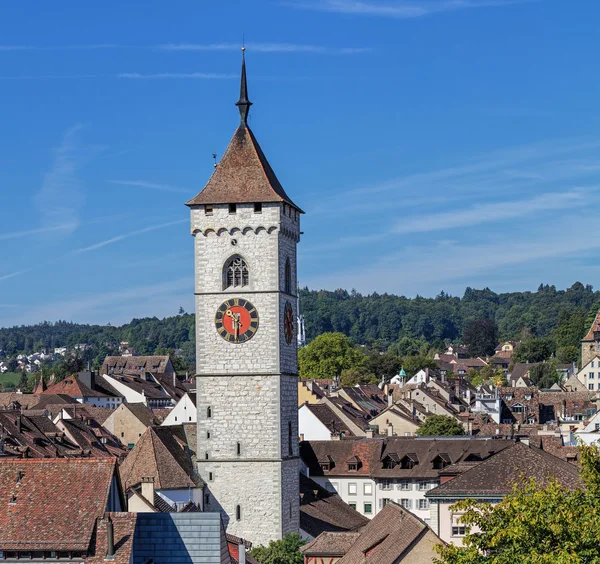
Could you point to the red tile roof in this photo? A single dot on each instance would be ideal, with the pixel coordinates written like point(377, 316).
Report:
point(74, 388)
point(55, 503)
point(595, 328)
point(243, 176)
point(124, 529)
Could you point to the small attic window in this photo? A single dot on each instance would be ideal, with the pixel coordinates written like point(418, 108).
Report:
point(257, 207)
point(441, 461)
point(232, 208)
point(409, 461)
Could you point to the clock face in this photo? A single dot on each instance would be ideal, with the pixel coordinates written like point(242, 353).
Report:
point(288, 323)
point(236, 320)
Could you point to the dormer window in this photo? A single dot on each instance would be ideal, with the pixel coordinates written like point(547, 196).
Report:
point(391, 461)
point(353, 464)
point(527, 397)
point(441, 461)
point(517, 408)
point(508, 397)
point(409, 461)
point(326, 463)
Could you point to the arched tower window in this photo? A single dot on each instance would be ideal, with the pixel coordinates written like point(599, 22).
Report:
point(288, 276)
point(235, 273)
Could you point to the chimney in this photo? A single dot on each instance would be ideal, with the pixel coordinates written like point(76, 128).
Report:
point(390, 430)
point(370, 433)
point(110, 540)
point(390, 397)
point(242, 552)
point(85, 378)
point(148, 488)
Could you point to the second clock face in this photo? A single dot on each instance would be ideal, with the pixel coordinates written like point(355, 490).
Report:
point(236, 320)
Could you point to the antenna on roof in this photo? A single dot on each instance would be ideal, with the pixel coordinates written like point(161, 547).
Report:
point(215, 159)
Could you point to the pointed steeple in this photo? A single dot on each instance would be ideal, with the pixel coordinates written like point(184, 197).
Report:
point(243, 103)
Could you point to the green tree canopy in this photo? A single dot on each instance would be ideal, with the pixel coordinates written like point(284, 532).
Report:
point(412, 364)
point(440, 426)
point(481, 337)
point(328, 356)
point(533, 524)
point(544, 375)
point(284, 551)
point(533, 350)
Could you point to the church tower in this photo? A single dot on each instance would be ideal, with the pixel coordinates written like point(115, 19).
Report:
point(245, 230)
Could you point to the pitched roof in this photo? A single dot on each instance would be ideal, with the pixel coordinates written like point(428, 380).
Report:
point(331, 543)
point(7, 399)
point(594, 329)
point(123, 531)
point(388, 538)
point(162, 453)
point(329, 418)
point(141, 412)
point(243, 176)
point(496, 476)
point(36, 513)
point(73, 387)
point(134, 364)
point(53, 399)
point(321, 510)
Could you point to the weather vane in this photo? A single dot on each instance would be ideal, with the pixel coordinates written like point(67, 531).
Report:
point(215, 159)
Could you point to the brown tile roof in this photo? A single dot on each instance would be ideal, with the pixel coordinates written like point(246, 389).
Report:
point(134, 364)
point(497, 475)
point(243, 176)
point(74, 388)
point(99, 414)
point(374, 453)
point(160, 413)
point(55, 504)
point(26, 401)
point(329, 418)
point(321, 510)
point(124, 530)
point(45, 400)
point(595, 328)
point(331, 544)
point(390, 537)
point(359, 417)
point(92, 438)
point(162, 453)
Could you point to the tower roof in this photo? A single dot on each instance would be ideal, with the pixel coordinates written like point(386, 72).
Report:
point(594, 329)
point(244, 175)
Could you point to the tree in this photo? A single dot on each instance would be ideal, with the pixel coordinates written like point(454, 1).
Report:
point(533, 524)
point(23, 382)
point(533, 350)
point(544, 375)
point(284, 551)
point(383, 365)
point(440, 426)
point(481, 337)
point(328, 356)
point(361, 375)
point(412, 364)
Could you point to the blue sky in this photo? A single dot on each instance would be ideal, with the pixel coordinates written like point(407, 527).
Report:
point(434, 144)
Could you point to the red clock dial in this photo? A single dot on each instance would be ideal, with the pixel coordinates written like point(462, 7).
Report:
point(288, 323)
point(236, 320)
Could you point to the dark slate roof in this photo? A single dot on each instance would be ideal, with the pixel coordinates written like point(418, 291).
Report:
point(243, 176)
point(497, 475)
point(54, 399)
point(56, 503)
point(321, 510)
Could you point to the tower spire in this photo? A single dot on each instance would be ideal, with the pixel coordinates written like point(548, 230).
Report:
point(243, 103)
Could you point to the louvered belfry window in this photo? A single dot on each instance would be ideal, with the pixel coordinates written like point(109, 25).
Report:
point(236, 273)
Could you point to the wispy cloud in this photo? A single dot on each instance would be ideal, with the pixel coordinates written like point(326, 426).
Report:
point(60, 198)
point(151, 186)
point(163, 75)
point(493, 212)
point(12, 274)
point(401, 9)
point(124, 236)
point(69, 227)
point(266, 48)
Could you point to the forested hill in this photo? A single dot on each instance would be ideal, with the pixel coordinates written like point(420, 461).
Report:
point(381, 320)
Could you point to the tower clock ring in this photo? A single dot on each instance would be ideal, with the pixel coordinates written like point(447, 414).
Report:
point(236, 320)
point(288, 323)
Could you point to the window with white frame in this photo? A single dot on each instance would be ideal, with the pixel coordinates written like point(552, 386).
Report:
point(423, 485)
point(405, 485)
point(406, 503)
point(423, 504)
point(597, 427)
point(458, 531)
point(352, 489)
point(590, 386)
point(368, 488)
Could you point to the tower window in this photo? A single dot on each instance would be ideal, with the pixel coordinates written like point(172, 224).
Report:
point(208, 209)
point(232, 208)
point(206, 499)
point(210, 476)
point(288, 276)
point(239, 449)
point(257, 207)
point(206, 455)
point(208, 412)
point(238, 512)
point(236, 273)
point(208, 434)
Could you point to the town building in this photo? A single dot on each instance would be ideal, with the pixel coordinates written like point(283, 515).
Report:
point(245, 230)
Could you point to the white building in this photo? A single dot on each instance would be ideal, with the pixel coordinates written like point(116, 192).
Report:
point(185, 411)
point(589, 375)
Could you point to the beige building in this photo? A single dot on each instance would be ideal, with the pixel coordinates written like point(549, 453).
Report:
point(129, 422)
point(590, 344)
point(396, 420)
